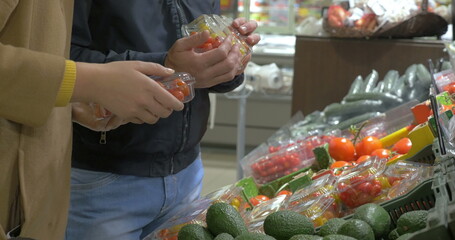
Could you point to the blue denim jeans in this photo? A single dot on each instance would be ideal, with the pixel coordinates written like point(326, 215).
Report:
point(119, 207)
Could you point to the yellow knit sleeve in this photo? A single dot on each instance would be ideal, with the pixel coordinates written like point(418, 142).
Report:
point(67, 87)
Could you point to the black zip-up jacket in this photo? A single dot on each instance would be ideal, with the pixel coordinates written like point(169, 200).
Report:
point(114, 30)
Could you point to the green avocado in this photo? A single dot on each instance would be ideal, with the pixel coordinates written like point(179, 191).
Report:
point(224, 218)
point(284, 224)
point(194, 232)
point(376, 216)
point(357, 229)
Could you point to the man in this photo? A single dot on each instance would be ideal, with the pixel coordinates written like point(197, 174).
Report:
point(36, 85)
point(127, 181)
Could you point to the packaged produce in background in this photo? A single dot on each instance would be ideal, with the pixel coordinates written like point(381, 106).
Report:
point(362, 184)
point(405, 176)
point(319, 209)
point(219, 28)
point(277, 164)
point(373, 18)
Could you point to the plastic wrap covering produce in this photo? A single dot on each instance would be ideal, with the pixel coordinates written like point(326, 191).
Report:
point(324, 185)
point(405, 176)
point(191, 213)
point(367, 98)
point(230, 194)
point(319, 208)
point(362, 184)
point(277, 164)
point(385, 18)
point(254, 219)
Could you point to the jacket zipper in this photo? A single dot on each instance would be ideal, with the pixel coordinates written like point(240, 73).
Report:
point(182, 17)
point(103, 139)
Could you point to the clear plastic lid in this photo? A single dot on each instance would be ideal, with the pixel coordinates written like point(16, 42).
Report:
point(361, 184)
point(319, 209)
point(320, 186)
point(255, 218)
point(219, 28)
point(179, 84)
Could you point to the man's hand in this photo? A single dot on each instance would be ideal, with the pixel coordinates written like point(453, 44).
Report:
point(246, 28)
point(210, 68)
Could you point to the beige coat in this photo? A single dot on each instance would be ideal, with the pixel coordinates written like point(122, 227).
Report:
point(35, 137)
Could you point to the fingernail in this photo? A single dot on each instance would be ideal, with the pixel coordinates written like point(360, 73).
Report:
point(169, 70)
point(243, 28)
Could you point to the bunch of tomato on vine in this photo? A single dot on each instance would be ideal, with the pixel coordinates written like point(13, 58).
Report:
point(347, 152)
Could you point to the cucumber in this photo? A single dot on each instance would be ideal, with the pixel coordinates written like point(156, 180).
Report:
point(379, 87)
point(355, 120)
point(399, 86)
point(370, 81)
point(356, 86)
point(350, 109)
point(423, 75)
point(446, 65)
point(411, 76)
point(387, 98)
point(390, 78)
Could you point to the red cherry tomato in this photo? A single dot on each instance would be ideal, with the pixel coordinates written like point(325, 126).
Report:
point(182, 86)
point(402, 146)
point(258, 199)
point(177, 94)
point(367, 145)
point(362, 158)
point(216, 42)
point(450, 88)
point(341, 149)
point(284, 192)
point(394, 157)
point(339, 164)
point(382, 153)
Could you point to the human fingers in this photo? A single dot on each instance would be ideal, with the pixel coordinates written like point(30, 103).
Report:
point(192, 41)
point(253, 39)
point(245, 27)
point(159, 107)
point(148, 68)
point(113, 123)
point(219, 54)
point(226, 70)
point(164, 102)
point(145, 117)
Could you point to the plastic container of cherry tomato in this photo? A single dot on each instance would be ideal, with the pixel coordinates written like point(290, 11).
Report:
point(193, 213)
point(230, 194)
point(254, 219)
point(179, 84)
point(319, 209)
point(362, 184)
point(219, 28)
point(277, 164)
point(323, 185)
point(405, 176)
